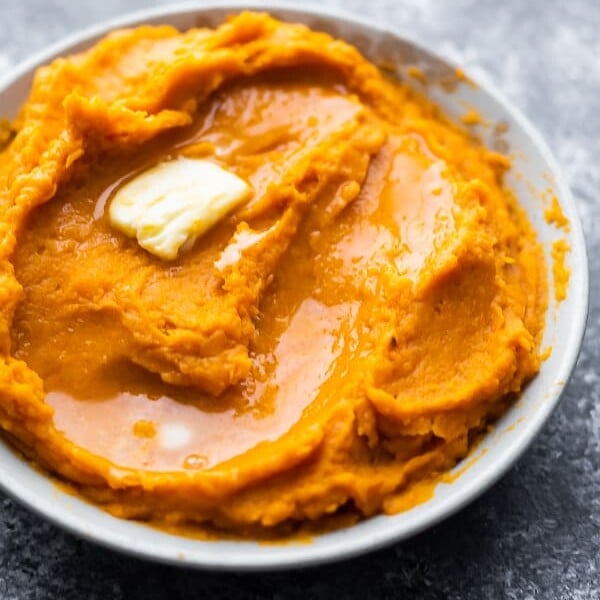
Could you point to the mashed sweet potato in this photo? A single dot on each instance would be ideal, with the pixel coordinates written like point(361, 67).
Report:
point(344, 334)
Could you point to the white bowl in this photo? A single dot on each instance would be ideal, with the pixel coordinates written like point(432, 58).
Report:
point(534, 170)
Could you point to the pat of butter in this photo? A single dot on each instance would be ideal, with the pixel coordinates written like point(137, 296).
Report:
point(169, 206)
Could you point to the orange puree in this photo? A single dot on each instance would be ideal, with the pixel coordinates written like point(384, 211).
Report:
point(554, 214)
point(334, 343)
point(560, 271)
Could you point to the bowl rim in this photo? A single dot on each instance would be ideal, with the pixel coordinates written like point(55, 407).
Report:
point(305, 555)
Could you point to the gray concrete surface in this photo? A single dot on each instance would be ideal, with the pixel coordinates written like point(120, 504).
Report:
point(536, 534)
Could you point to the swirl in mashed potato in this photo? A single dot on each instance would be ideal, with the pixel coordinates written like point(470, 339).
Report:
point(329, 344)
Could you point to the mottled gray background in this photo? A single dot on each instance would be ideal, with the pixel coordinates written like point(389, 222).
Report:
point(536, 534)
